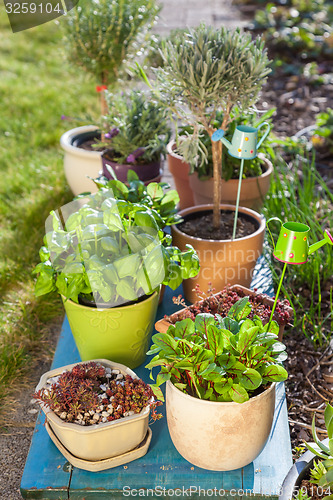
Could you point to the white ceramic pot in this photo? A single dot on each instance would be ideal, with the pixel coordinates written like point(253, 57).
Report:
point(98, 441)
point(80, 163)
point(219, 436)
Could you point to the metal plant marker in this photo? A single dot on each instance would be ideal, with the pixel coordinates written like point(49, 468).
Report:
point(292, 247)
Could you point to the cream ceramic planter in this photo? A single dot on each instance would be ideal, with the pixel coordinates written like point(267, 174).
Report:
point(118, 333)
point(98, 441)
point(253, 190)
point(222, 262)
point(219, 436)
point(80, 163)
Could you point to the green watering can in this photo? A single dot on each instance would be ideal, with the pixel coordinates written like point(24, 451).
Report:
point(244, 141)
point(292, 246)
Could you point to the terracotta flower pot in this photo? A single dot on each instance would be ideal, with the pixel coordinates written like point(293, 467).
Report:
point(253, 191)
point(180, 171)
point(163, 324)
point(98, 441)
point(80, 164)
point(219, 436)
point(222, 262)
point(147, 172)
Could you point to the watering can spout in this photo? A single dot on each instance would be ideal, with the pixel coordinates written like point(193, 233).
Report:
point(328, 238)
point(219, 136)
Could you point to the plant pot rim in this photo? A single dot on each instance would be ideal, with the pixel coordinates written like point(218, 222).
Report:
point(268, 164)
point(223, 403)
point(131, 165)
point(171, 152)
point(266, 301)
point(136, 304)
point(91, 429)
point(65, 141)
point(201, 208)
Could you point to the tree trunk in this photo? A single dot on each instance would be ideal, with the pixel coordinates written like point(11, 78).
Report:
point(217, 155)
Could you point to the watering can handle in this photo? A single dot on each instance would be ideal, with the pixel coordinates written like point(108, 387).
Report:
point(265, 134)
point(269, 220)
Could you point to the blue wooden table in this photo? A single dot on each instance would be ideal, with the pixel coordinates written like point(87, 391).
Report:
point(162, 472)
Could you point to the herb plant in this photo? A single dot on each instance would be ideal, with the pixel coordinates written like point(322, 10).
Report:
point(219, 359)
point(203, 163)
point(322, 471)
point(90, 394)
point(135, 128)
point(205, 71)
point(111, 250)
point(156, 195)
point(101, 36)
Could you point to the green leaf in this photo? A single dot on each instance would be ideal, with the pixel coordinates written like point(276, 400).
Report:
point(228, 324)
point(328, 415)
point(113, 221)
point(250, 379)
point(125, 289)
point(127, 266)
point(223, 386)
point(214, 340)
point(157, 392)
point(167, 343)
point(246, 336)
point(273, 327)
point(184, 328)
point(162, 377)
point(132, 176)
point(238, 393)
point(240, 310)
point(155, 191)
point(203, 321)
point(274, 373)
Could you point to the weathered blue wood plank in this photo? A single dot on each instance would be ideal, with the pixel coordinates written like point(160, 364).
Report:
point(162, 467)
point(45, 474)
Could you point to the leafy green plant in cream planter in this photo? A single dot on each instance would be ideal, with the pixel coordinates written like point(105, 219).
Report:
point(220, 376)
point(108, 258)
point(101, 39)
point(208, 72)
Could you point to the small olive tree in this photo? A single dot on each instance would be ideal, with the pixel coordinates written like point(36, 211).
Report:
point(102, 34)
point(208, 70)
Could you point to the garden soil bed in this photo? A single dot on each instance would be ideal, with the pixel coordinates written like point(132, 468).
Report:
point(201, 226)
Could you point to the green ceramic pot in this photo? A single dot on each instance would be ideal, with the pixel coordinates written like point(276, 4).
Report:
point(120, 334)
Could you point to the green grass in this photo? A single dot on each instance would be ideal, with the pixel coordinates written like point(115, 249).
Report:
point(37, 86)
point(299, 194)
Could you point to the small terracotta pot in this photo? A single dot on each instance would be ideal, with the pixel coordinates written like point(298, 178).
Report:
point(145, 172)
point(163, 324)
point(253, 191)
point(222, 262)
point(219, 436)
point(180, 171)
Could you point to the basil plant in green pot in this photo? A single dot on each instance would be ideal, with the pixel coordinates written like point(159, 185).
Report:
point(220, 376)
point(107, 258)
point(135, 138)
point(209, 73)
point(101, 40)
